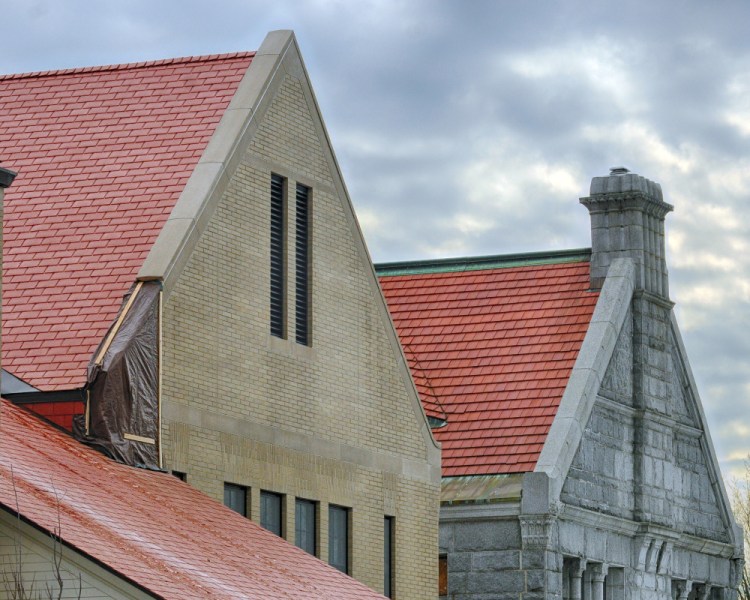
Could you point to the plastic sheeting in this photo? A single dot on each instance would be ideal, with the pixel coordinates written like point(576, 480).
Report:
point(123, 387)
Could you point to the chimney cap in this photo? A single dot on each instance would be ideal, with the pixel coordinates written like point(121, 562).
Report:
point(6, 177)
point(621, 181)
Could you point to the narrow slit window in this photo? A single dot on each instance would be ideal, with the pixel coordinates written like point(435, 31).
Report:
point(443, 575)
point(388, 523)
point(302, 266)
point(278, 266)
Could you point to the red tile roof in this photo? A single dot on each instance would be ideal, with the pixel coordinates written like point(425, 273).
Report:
point(149, 527)
point(495, 347)
point(102, 155)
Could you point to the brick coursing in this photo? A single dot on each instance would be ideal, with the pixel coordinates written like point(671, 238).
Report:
point(267, 406)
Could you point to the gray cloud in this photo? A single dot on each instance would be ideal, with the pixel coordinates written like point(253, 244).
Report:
point(473, 127)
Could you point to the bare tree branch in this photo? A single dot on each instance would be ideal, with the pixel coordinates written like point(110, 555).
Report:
point(739, 492)
point(14, 580)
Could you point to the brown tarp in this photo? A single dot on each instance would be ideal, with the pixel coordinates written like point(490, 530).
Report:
point(123, 388)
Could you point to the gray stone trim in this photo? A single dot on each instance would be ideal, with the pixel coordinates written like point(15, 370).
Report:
point(707, 445)
point(210, 178)
point(598, 520)
point(479, 512)
point(278, 56)
point(303, 443)
point(684, 541)
point(581, 392)
point(653, 417)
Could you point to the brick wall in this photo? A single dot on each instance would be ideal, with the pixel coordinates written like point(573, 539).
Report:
point(332, 422)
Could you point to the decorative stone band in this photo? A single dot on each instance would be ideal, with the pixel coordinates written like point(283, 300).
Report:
point(624, 201)
point(684, 589)
point(538, 532)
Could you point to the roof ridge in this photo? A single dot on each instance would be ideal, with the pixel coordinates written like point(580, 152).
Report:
point(476, 263)
point(130, 65)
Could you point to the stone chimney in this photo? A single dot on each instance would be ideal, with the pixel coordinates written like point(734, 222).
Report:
point(6, 178)
point(627, 220)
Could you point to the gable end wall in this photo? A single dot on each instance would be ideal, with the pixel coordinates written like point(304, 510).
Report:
point(37, 551)
point(333, 422)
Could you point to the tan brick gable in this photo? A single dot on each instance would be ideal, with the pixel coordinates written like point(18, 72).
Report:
point(336, 422)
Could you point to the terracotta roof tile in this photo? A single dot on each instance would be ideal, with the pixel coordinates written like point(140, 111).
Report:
point(102, 154)
point(149, 527)
point(497, 347)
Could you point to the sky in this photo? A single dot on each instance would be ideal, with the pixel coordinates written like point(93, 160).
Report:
point(473, 127)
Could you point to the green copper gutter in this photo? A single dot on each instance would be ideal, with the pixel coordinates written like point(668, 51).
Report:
point(477, 263)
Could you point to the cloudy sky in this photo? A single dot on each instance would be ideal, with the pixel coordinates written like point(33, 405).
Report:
point(473, 127)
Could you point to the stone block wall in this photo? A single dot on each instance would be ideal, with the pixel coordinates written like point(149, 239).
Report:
point(643, 452)
point(602, 474)
point(332, 422)
point(694, 504)
point(500, 559)
point(484, 559)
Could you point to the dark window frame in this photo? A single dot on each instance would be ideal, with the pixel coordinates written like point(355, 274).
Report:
point(278, 256)
point(304, 502)
point(389, 548)
point(241, 490)
point(338, 512)
point(303, 265)
point(265, 497)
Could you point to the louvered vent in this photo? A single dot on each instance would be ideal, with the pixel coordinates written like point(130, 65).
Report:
point(302, 266)
point(277, 256)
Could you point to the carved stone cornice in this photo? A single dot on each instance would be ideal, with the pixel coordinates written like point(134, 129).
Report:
point(538, 531)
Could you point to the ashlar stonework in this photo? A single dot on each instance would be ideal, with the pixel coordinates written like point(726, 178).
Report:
point(626, 501)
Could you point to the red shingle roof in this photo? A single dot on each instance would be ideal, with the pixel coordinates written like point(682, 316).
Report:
point(149, 527)
point(102, 155)
point(495, 347)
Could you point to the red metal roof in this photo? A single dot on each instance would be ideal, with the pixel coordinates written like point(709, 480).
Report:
point(102, 155)
point(495, 347)
point(150, 527)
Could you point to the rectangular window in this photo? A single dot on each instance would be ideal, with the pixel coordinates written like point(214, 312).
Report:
point(614, 584)
point(443, 575)
point(338, 537)
point(302, 266)
point(278, 256)
point(235, 497)
point(388, 534)
point(305, 531)
point(180, 475)
point(271, 512)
